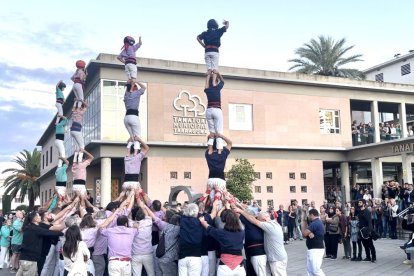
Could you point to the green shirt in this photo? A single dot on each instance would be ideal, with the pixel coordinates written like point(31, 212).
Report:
point(60, 173)
point(60, 127)
point(17, 232)
point(5, 233)
point(59, 94)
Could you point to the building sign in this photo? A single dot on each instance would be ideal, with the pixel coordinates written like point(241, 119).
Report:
point(192, 119)
point(408, 147)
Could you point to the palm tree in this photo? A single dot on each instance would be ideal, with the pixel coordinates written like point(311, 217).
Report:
point(325, 57)
point(24, 180)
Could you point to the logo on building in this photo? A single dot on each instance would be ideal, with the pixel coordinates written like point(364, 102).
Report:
point(192, 120)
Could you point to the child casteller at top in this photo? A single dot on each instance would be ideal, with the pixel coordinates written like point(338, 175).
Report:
point(210, 40)
point(129, 58)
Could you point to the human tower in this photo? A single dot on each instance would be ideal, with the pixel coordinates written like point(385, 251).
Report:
point(216, 153)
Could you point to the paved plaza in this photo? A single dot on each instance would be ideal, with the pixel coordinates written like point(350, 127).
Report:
point(389, 261)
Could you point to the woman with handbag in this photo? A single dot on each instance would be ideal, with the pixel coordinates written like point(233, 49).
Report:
point(75, 252)
point(333, 235)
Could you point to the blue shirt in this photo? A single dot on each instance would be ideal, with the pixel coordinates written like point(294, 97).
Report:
point(60, 173)
point(132, 99)
point(212, 37)
point(216, 163)
point(5, 234)
point(230, 242)
point(214, 95)
point(316, 227)
point(60, 127)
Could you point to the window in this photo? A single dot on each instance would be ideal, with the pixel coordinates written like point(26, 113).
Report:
point(187, 175)
point(17, 199)
point(304, 189)
point(51, 153)
point(302, 175)
point(329, 121)
point(257, 189)
point(259, 202)
point(240, 117)
point(47, 158)
point(43, 161)
point(292, 189)
point(42, 198)
point(225, 175)
point(269, 189)
point(270, 202)
point(257, 175)
point(379, 77)
point(291, 175)
point(269, 175)
point(50, 193)
point(405, 69)
point(173, 175)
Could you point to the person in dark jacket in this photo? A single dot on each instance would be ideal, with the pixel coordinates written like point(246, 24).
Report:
point(33, 235)
point(365, 225)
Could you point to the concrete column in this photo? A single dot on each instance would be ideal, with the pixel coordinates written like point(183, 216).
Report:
point(403, 120)
point(377, 178)
point(375, 121)
point(105, 181)
point(407, 159)
point(345, 180)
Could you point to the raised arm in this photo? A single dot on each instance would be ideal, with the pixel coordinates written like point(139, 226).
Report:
point(249, 217)
point(145, 148)
point(139, 41)
point(207, 85)
point(226, 24)
point(220, 76)
point(90, 156)
point(141, 85)
point(68, 208)
point(228, 141)
point(66, 161)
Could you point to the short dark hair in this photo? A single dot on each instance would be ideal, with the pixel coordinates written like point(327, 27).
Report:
point(314, 212)
point(122, 221)
point(138, 214)
point(112, 205)
point(156, 204)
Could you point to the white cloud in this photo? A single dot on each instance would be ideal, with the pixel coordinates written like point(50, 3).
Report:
point(7, 108)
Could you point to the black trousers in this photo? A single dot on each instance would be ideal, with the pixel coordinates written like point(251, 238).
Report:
point(369, 248)
point(354, 248)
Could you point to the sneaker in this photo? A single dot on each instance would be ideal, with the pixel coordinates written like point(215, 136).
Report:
point(407, 262)
point(353, 259)
point(373, 261)
point(402, 247)
point(327, 257)
point(333, 258)
point(366, 260)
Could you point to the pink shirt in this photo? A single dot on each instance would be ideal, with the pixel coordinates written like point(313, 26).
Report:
point(133, 163)
point(77, 115)
point(79, 170)
point(120, 240)
point(89, 236)
point(142, 242)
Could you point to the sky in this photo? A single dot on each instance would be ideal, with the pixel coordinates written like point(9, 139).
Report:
point(41, 40)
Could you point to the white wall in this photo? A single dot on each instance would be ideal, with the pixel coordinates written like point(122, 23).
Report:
point(392, 73)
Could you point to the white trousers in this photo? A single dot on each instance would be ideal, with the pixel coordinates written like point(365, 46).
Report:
point(189, 266)
point(278, 268)
point(259, 265)
point(78, 138)
point(119, 268)
point(224, 270)
point(205, 267)
point(81, 188)
point(132, 125)
point(131, 71)
point(61, 190)
point(61, 150)
point(78, 90)
point(4, 256)
point(59, 110)
point(142, 260)
point(214, 118)
point(314, 262)
point(212, 263)
point(212, 60)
